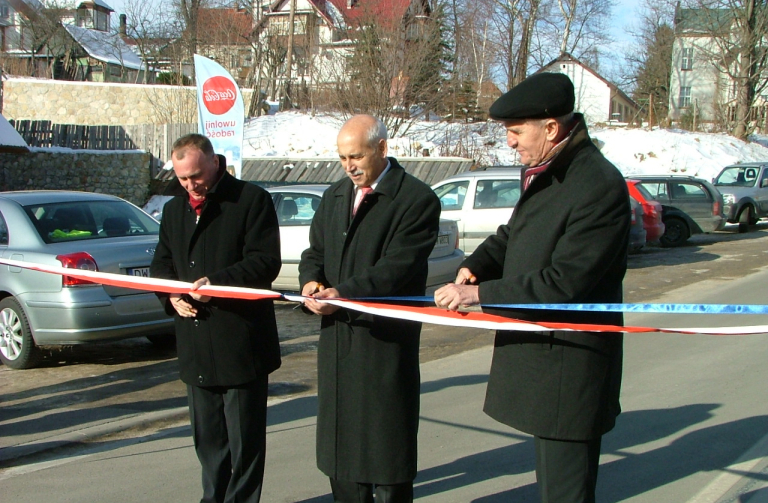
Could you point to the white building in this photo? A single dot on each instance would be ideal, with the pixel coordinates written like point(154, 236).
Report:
point(600, 101)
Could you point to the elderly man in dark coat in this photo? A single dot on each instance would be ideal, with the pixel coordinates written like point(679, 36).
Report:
point(565, 243)
point(221, 231)
point(371, 236)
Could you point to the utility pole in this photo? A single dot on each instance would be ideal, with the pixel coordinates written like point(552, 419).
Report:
point(286, 101)
point(650, 112)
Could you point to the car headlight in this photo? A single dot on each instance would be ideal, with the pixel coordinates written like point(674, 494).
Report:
point(729, 198)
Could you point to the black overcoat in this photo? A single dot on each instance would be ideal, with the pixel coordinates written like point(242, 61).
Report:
point(368, 366)
point(565, 243)
point(235, 243)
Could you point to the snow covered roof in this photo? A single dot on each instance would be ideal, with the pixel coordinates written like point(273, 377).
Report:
point(106, 47)
point(10, 139)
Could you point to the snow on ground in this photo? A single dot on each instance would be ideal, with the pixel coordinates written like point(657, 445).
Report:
point(633, 151)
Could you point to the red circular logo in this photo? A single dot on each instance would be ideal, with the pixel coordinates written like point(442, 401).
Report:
point(219, 95)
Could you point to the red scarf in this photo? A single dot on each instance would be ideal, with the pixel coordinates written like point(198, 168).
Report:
point(197, 204)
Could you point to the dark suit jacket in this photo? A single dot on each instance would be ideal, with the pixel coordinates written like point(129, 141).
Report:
point(235, 243)
point(565, 243)
point(368, 366)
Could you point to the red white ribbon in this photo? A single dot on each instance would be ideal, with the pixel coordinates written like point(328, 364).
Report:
point(431, 315)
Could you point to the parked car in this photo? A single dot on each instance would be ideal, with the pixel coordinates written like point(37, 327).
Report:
point(296, 206)
point(745, 193)
point(636, 231)
point(688, 206)
point(80, 230)
point(654, 226)
point(479, 201)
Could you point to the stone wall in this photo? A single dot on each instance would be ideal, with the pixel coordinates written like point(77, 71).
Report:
point(96, 103)
point(123, 174)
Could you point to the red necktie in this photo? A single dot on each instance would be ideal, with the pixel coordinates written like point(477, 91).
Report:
point(364, 191)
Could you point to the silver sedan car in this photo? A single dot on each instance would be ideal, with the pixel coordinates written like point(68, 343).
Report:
point(296, 206)
point(80, 230)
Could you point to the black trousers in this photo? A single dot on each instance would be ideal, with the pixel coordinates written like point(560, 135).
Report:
point(567, 471)
point(357, 492)
point(229, 429)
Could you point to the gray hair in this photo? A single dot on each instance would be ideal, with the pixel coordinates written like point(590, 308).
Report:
point(377, 132)
point(562, 121)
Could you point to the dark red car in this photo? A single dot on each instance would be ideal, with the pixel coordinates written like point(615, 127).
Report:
point(654, 227)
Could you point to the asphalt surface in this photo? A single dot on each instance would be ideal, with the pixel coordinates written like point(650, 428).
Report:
point(84, 394)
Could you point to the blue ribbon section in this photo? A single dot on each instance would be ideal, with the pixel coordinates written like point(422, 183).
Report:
point(612, 308)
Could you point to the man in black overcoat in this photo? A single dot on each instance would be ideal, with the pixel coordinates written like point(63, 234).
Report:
point(222, 231)
point(566, 242)
point(371, 236)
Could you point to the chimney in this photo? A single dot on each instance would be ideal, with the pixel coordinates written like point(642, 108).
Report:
point(123, 19)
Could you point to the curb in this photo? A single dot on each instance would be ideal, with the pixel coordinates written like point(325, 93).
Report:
point(81, 435)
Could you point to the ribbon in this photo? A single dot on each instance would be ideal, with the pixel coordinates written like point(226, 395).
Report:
point(432, 315)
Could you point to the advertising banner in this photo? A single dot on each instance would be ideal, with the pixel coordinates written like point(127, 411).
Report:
point(220, 111)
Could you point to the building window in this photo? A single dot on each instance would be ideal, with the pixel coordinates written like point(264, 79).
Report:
point(5, 10)
point(687, 59)
point(102, 21)
point(685, 97)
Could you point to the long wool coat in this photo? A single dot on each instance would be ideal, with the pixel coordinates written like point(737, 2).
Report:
point(565, 243)
point(368, 366)
point(235, 243)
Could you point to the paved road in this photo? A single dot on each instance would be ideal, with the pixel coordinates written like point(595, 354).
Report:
point(694, 429)
point(81, 394)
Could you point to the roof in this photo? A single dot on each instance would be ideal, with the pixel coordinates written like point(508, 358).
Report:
point(283, 171)
point(28, 8)
point(106, 47)
point(704, 21)
point(382, 11)
point(566, 57)
point(224, 25)
point(10, 139)
point(99, 3)
point(338, 13)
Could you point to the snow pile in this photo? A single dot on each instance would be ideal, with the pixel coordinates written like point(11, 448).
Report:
point(633, 151)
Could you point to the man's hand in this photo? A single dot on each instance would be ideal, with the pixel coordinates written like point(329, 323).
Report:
point(197, 284)
point(182, 307)
point(314, 290)
point(461, 293)
point(465, 277)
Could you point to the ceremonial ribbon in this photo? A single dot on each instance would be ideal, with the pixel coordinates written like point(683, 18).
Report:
point(432, 315)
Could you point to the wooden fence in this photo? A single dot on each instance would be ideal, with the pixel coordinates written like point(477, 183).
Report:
point(155, 139)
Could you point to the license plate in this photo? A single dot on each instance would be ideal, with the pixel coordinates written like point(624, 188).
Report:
point(443, 240)
point(139, 271)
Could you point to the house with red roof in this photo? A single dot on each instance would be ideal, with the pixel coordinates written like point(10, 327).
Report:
point(324, 36)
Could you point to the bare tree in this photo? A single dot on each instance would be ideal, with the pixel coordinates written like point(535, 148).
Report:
point(736, 36)
point(648, 59)
point(391, 68)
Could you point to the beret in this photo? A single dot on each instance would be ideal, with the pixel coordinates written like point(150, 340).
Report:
point(540, 96)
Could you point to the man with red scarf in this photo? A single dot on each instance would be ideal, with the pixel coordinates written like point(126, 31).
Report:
point(566, 242)
point(221, 231)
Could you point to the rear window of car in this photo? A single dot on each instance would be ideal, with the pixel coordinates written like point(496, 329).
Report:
point(644, 192)
point(497, 193)
point(56, 222)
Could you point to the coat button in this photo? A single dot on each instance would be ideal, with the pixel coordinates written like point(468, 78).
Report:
point(344, 234)
point(200, 379)
point(192, 263)
point(197, 323)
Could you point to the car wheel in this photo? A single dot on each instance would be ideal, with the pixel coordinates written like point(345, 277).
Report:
point(165, 341)
point(17, 347)
point(676, 233)
point(746, 218)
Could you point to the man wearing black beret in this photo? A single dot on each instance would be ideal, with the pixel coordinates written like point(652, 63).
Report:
point(565, 243)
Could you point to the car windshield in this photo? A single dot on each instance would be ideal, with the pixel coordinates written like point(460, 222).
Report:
point(644, 192)
point(82, 220)
point(738, 176)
